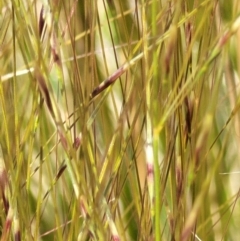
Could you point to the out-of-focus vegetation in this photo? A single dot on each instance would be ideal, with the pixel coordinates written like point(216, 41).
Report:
point(119, 120)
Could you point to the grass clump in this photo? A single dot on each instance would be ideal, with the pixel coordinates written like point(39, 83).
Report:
point(119, 120)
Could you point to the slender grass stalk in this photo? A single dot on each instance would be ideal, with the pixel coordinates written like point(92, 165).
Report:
point(118, 120)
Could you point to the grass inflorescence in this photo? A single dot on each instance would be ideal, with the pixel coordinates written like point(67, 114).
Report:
point(119, 120)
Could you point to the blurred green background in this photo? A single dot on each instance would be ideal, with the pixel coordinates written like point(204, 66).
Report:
point(119, 120)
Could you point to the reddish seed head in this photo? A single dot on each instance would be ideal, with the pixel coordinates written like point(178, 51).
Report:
point(3, 178)
point(150, 171)
point(115, 238)
point(9, 220)
point(17, 236)
point(77, 142)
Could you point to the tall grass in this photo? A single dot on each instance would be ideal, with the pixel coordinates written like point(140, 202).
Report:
point(119, 120)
